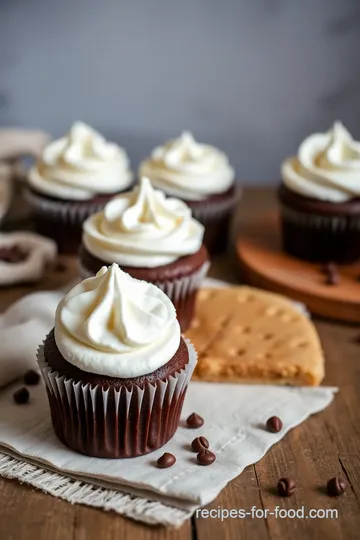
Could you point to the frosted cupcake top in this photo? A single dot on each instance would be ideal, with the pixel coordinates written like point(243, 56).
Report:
point(116, 325)
point(142, 228)
point(81, 165)
point(327, 166)
point(184, 168)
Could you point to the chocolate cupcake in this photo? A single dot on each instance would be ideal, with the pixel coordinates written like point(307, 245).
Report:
point(153, 238)
point(115, 366)
point(320, 198)
point(201, 176)
point(75, 177)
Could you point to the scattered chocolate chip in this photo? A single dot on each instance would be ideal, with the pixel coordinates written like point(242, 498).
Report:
point(286, 487)
point(328, 267)
point(194, 421)
point(31, 377)
point(336, 486)
point(166, 460)
point(331, 274)
point(12, 254)
point(199, 444)
point(332, 278)
point(60, 267)
point(205, 457)
point(21, 396)
point(274, 424)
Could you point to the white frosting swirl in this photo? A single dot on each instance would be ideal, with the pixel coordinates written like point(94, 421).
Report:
point(80, 166)
point(187, 169)
point(117, 326)
point(327, 166)
point(142, 228)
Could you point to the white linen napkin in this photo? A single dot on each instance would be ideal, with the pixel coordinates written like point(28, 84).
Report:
point(23, 327)
point(234, 425)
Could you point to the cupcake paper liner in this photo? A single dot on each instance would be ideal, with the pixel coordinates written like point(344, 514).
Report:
point(320, 238)
point(182, 292)
point(216, 216)
point(115, 423)
point(210, 211)
point(63, 212)
point(336, 223)
point(178, 289)
point(61, 220)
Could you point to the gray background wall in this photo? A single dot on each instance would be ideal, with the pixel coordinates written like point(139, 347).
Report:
point(251, 76)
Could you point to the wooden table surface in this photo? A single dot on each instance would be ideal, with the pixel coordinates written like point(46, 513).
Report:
point(326, 445)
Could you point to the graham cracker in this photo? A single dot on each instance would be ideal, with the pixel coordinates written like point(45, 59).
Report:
point(246, 335)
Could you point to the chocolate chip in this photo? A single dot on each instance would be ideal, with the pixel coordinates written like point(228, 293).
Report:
point(336, 486)
point(194, 421)
point(286, 487)
point(331, 274)
point(31, 377)
point(332, 278)
point(21, 396)
point(60, 267)
point(166, 460)
point(199, 444)
point(327, 268)
point(12, 254)
point(205, 457)
point(274, 424)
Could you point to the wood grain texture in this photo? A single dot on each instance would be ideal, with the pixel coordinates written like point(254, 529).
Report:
point(265, 265)
point(325, 445)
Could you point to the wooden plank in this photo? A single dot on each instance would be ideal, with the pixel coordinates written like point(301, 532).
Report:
point(93, 524)
point(310, 458)
point(241, 493)
point(342, 351)
point(29, 514)
point(350, 464)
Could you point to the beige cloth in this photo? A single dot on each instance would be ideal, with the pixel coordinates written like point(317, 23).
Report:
point(14, 144)
point(234, 425)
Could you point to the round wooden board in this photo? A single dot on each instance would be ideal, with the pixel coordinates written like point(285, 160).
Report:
point(266, 266)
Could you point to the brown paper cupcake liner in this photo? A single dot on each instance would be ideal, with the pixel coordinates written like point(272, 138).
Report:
point(62, 220)
point(320, 238)
point(209, 211)
point(115, 423)
point(178, 289)
point(216, 216)
point(65, 212)
point(336, 223)
point(182, 292)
